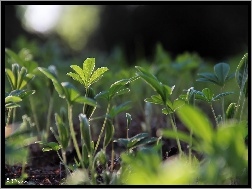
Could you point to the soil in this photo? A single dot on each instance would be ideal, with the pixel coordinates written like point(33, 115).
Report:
point(44, 168)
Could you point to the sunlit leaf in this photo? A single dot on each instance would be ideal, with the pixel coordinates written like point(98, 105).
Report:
point(194, 119)
point(76, 77)
point(97, 75)
point(88, 68)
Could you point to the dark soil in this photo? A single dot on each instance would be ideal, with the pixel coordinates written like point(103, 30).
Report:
point(44, 168)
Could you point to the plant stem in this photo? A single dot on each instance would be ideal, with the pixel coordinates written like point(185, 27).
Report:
point(242, 108)
point(214, 114)
point(190, 146)
point(34, 113)
point(9, 116)
point(64, 161)
point(48, 123)
point(73, 134)
point(223, 108)
point(174, 127)
point(103, 127)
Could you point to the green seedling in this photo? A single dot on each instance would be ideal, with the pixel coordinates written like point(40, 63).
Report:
point(207, 95)
point(162, 98)
point(116, 89)
point(222, 147)
point(25, 59)
point(67, 91)
point(241, 76)
point(219, 77)
point(136, 141)
point(18, 79)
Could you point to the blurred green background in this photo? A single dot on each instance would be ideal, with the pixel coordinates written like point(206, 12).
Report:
point(174, 41)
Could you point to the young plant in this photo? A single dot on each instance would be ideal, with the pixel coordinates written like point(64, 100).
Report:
point(207, 95)
point(18, 79)
point(67, 91)
point(24, 59)
point(241, 76)
point(219, 77)
point(222, 148)
point(162, 98)
point(116, 89)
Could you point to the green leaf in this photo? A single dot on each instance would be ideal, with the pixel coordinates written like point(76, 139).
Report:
point(155, 99)
point(64, 135)
point(219, 96)
point(151, 80)
point(86, 101)
point(21, 76)
point(11, 78)
point(118, 109)
point(85, 155)
point(221, 71)
point(109, 133)
point(12, 105)
point(241, 74)
point(122, 141)
point(181, 135)
point(85, 131)
point(177, 104)
point(208, 77)
point(208, 94)
point(194, 119)
point(145, 141)
point(116, 87)
point(22, 93)
point(57, 85)
point(103, 94)
point(76, 77)
point(26, 80)
point(48, 146)
point(167, 111)
point(88, 68)
point(13, 99)
point(14, 56)
point(231, 111)
point(121, 92)
point(135, 139)
point(72, 95)
point(80, 73)
point(97, 75)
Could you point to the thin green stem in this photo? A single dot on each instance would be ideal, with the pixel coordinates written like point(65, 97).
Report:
point(92, 162)
point(64, 161)
point(84, 105)
point(216, 121)
point(190, 146)
point(73, 134)
point(14, 115)
point(243, 103)
point(103, 127)
point(33, 108)
point(48, 122)
point(9, 116)
point(223, 107)
point(174, 127)
point(96, 118)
